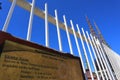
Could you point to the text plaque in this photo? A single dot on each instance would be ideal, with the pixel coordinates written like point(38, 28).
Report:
point(21, 62)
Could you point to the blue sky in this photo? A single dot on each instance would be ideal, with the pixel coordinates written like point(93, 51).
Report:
point(106, 13)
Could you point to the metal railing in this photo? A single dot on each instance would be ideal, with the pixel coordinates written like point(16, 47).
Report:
point(96, 52)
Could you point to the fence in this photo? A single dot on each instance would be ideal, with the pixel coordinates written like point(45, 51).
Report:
point(89, 47)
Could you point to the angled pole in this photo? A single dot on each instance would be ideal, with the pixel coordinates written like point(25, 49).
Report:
point(9, 16)
point(107, 71)
point(110, 73)
point(46, 27)
point(101, 59)
point(105, 64)
point(31, 21)
point(68, 36)
point(95, 54)
point(58, 31)
point(86, 55)
point(79, 53)
point(91, 54)
point(77, 44)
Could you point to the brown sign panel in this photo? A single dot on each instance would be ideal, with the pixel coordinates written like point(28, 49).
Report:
point(22, 62)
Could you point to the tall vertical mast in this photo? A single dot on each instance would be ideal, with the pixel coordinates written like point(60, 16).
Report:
point(100, 35)
point(46, 26)
point(91, 28)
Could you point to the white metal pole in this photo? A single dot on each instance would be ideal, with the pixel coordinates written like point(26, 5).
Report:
point(86, 55)
point(106, 68)
point(91, 54)
point(58, 31)
point(9, 16)
point(94, 49)
point(106, 62)
point(81, 54)
point(31, 21)
point(46, 26)
point(110, 76)
point(107, 71)
point(101, 59)
point(77, 44)
point(69, 41)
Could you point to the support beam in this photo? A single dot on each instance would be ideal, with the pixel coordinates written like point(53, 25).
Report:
point(38, 12)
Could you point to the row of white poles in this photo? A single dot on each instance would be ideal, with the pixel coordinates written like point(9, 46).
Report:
point(109, 70)
point(105, 61)
point(78, 46)
point(91, 54)
point(97, 50)
point(94, 53)
point(105, 74)
point(96, 56)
